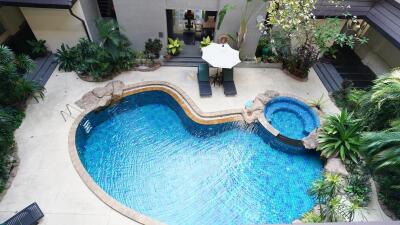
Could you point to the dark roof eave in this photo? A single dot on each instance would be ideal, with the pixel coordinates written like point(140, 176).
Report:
point(37, 5)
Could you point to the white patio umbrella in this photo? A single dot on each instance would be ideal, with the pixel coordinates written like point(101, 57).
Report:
point(220, 55)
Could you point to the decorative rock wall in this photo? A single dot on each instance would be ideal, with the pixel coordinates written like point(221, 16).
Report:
point(101, 97)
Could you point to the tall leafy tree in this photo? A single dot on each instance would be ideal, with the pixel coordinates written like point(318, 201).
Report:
point(381, 105)
point(382, 149)
point(250, 8)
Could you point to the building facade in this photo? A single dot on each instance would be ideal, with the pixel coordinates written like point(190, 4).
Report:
point(66, 21)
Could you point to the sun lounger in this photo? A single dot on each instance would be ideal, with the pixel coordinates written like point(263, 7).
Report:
point(228, 84)
point(204, 80)
point(28, 216)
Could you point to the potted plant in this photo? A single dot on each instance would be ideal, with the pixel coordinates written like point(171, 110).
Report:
point(296, 20)
point(145, 62)
point(153, 47)
point(174, 47)
point(205, 42)
point(38, 48)
point(300, 62)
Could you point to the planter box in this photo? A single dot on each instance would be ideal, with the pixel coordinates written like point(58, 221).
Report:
point(253, 64)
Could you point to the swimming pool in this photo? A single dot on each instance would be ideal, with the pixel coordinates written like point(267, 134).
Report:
point(291, 117)
point(148, 155)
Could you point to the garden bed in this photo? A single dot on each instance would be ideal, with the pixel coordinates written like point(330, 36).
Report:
point(254, 64)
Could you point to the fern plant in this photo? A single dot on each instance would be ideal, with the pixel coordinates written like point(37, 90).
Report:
point(12, 70)
point(382, 149)
point(38, 48)
point(379, 106)
point(340, 135)
point(67, 58)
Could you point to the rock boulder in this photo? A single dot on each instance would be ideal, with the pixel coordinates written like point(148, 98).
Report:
point(335, 165)
point(311, 141)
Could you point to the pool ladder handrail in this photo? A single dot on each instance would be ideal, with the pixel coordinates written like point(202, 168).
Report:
point(69, 107)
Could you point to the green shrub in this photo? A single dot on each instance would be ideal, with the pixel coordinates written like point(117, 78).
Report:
point(98, 60)
point(358, 187)
point(332, 200)
point(93, 60)
point(115, 44)
point(67, 58)
point(10, 119)
point(13, 94)
point(153, 47)
point(348, 97)
point(379, 107)
point(311, 217)
point(382, 150)
point(340, 135)
point(38, 48)
point(382, 154)
point(389, 189)
point(11, 76)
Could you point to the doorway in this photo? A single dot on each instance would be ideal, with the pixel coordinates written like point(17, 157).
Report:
point(106, 8)
point(190, 26)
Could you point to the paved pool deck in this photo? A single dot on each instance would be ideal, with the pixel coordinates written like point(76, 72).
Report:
point(46, 174)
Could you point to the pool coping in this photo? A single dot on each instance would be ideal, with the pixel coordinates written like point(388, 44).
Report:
point(190, 109)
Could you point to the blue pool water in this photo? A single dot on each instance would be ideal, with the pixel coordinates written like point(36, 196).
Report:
point(147, 154)
point(291, 117)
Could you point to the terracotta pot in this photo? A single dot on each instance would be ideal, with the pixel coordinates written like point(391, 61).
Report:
point(167, 57)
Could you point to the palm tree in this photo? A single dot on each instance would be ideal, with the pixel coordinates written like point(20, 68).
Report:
point(382, 149)
point(380, 105)
point(318, 189)
point(325, 191)
point(111, 37)
point(12, 70)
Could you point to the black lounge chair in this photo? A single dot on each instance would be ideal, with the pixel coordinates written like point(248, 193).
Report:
point(28, 216)
point(204, 80)
point(229, 85)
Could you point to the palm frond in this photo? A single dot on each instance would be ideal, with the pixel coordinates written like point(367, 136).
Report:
point(382, 149)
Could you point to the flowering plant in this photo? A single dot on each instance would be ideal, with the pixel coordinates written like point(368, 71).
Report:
point(296, 19)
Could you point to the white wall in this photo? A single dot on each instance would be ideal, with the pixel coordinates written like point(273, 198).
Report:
point(91, 12)
point(231, 25)
point(141, 20)
point(56, 26)
point(379, 54)
point(11, 18)
point(199, 4)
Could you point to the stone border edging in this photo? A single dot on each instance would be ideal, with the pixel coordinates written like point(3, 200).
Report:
point(191, 110)
point(186, 103)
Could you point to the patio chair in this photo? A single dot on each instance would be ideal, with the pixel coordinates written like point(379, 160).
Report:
point(204, 80)
point(28, 216)
point(227, 83)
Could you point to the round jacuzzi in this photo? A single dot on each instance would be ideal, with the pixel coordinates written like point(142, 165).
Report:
point(292, 118)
